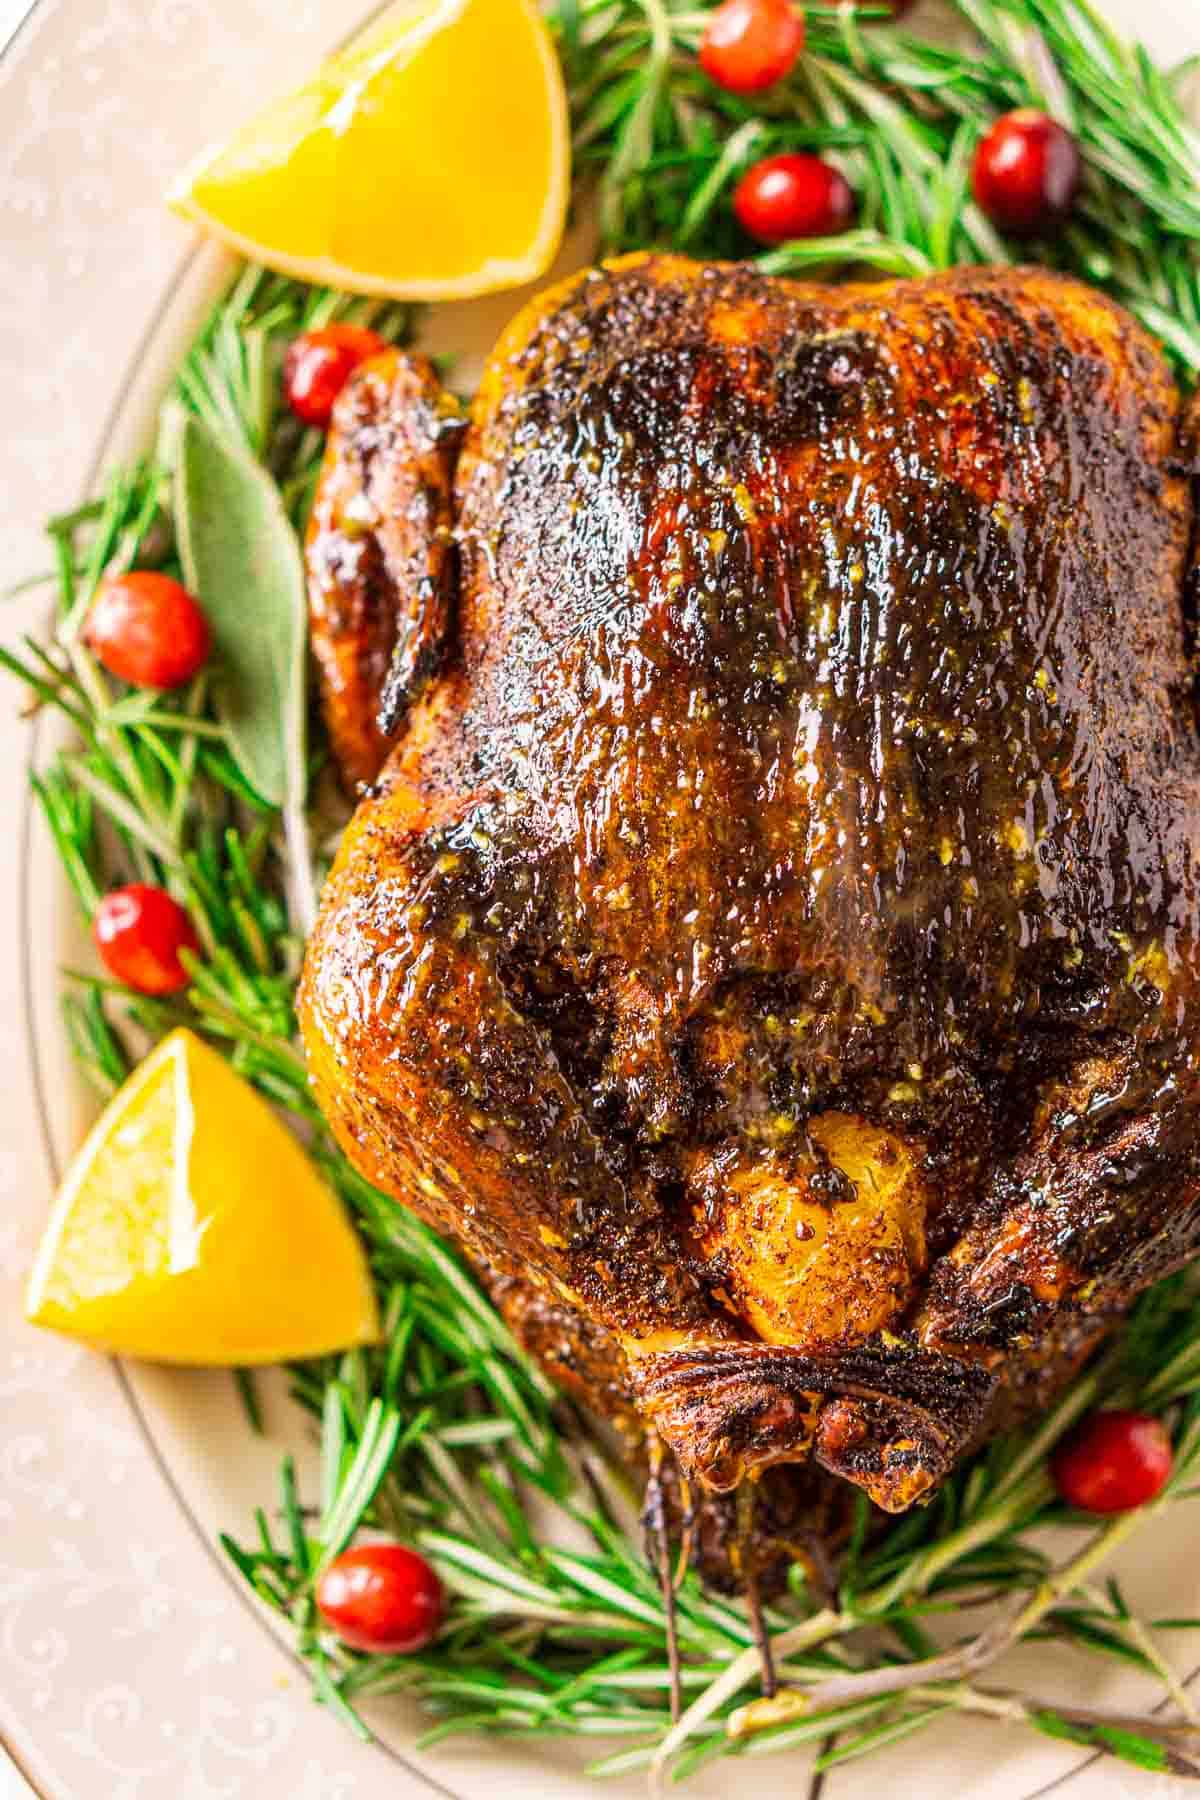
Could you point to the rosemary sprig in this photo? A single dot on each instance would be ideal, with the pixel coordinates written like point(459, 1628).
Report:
point(901, 116)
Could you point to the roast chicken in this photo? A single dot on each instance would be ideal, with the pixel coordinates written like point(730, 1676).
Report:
point(767, 935)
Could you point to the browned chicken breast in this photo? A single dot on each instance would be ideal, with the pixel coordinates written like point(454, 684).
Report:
point(772, 935)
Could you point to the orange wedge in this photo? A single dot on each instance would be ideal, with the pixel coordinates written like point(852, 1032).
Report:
point(429, 161)
point(192, 1228)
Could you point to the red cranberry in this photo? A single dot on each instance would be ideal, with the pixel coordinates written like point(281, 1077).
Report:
point(140, 931)
point(381, 1597)
point(147, 629)
point(793, 196)
point(1112, 1462)
point(320, 363)
point(1027, 173)
point(749, 45)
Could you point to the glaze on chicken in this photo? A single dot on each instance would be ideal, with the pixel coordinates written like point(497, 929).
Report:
point(770, 941)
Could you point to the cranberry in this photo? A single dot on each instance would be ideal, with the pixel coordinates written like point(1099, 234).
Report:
point(793, 196)
point(749, 45)
point(320, 363)
point(1112, 1462)
point(139, 931)
point(381, 1597)
point(146, 628)
point(1027, 173)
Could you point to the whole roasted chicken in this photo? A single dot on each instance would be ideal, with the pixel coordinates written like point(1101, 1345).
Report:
point(767, 938)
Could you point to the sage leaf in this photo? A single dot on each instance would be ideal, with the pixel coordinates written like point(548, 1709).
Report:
point(241, 558)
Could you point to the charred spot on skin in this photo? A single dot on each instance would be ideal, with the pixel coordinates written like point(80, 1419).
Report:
point(830, 1185)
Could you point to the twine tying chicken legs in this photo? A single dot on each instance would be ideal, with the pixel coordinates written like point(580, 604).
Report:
point(689, 1514)
point(747, 1562)
point(656, 1537)
point(656, 1534)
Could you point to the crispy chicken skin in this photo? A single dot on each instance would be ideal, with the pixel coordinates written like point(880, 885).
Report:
point(772, 935)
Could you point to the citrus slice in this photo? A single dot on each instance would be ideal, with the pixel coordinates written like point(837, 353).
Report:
point(429, 161)
point(192, 1228)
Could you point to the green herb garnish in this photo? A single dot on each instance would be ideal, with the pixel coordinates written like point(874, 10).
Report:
point(239, 549)
point(901, 116)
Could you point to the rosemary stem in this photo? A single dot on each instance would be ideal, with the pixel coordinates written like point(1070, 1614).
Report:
point(1141, 1639)
point(1065, 1580)
point(920, 1573)
point(940, 1677)
point(817, 1630)
point(96, 691)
